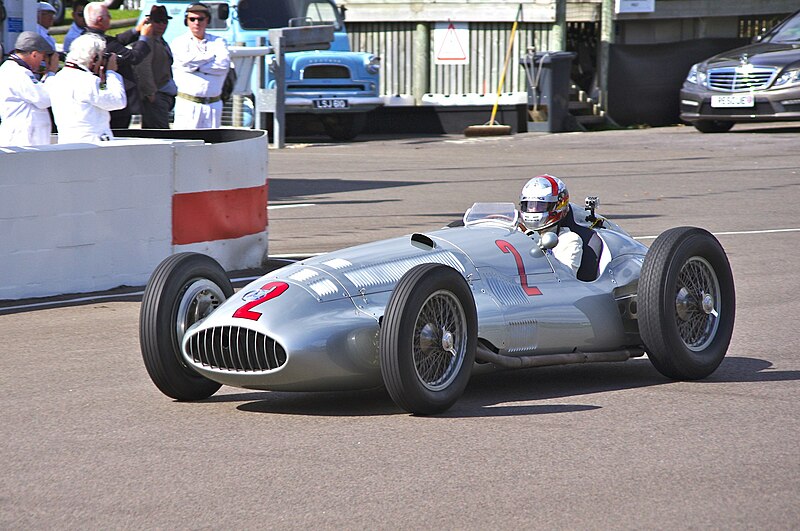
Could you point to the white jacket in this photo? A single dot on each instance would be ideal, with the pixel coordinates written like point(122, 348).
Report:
point(199, 67)
point(81, 107)
point(569, 250)
point(23, 107)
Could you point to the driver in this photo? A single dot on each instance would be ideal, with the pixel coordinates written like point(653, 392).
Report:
point(544, 203)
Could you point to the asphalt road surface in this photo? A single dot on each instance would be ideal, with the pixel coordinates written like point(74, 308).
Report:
point(89, 443)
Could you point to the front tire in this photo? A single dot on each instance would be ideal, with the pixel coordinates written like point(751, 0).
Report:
point(183, 289)
point(687, 303)
point(343, 127)
point(428, 339)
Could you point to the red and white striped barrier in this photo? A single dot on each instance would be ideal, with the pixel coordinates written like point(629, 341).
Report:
point(78, 218)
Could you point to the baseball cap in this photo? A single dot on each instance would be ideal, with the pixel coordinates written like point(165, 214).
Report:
point(159, 14)
point(30, 41)
point(44, 6)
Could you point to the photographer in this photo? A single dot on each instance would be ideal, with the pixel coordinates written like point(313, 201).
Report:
point(84, 92)
point(24, 99)
point(130, 47)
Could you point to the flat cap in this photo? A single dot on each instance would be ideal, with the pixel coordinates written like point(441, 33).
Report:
point(44, 6)
point(30, 41)
point(199, 7)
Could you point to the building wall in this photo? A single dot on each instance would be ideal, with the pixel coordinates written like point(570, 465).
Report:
point(401, 33)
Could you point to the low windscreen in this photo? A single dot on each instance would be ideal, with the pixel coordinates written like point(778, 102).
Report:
point(498, 214)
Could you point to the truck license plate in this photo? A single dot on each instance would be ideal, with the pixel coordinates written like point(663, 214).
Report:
point(331, 103)
point(738, 100)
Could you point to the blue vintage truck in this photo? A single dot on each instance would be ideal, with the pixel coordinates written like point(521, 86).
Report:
point(338, 85)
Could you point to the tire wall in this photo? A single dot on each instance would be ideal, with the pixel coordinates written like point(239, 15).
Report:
point(77, 218)
point(644, 80)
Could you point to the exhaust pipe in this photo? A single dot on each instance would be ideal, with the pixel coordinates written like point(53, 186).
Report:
point(519, 362)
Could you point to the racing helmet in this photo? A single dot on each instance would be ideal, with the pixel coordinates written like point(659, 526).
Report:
point(544, 201)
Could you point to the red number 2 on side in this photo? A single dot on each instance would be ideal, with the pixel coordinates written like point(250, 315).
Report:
point(523, 277)
point(271, 290)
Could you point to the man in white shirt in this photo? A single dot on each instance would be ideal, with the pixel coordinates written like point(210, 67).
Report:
point(200, 64)
point(24, 99)
point(46, 15)
point(544, 203)
point(85, 90)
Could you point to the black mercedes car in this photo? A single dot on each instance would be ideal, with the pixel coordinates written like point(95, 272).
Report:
point(759, 82)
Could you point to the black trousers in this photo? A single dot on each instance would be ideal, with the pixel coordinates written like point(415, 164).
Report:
point(155, 115)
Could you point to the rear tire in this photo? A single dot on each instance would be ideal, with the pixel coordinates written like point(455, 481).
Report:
point(428, 339)
point(183, 289)
point(713, 126)
point(687, 303)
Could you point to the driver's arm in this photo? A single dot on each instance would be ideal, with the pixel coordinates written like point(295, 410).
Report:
point(569, 250)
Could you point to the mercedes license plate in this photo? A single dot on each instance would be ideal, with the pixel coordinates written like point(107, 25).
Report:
point(737, 100)
point(331, 103)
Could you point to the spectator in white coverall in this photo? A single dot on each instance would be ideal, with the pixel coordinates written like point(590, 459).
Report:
point(24, 99)
point(200, 64)
point(85, 90)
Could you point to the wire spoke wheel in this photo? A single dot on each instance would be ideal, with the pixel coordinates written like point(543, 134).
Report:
point(697, 303)
point(428, 339)
point(439, 340)
point(687, 303)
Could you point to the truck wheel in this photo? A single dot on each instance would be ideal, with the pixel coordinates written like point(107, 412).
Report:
point(713, 126)
point(687, 303)
point(428, 339)
point(183, 289)
point(61, 9)
point(344, 126)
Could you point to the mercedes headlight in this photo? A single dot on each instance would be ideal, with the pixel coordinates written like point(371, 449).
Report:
point(696, 76)
point(788, 78)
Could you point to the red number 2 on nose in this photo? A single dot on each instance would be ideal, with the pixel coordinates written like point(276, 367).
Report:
point(271, 289)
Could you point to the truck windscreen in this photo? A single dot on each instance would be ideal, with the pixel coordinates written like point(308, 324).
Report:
point(267, 14)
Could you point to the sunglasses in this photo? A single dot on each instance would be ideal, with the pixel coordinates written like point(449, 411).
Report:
point(196, 19)
point(78, 14)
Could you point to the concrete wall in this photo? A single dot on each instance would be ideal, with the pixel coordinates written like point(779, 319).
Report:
point(81, 217)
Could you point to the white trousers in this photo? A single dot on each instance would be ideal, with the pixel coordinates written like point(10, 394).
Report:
point(191, 115)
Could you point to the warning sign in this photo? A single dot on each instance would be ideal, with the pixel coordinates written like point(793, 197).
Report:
point(451, 43)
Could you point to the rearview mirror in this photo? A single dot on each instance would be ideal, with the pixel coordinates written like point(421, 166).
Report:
point(223, 11)
point(548, 240)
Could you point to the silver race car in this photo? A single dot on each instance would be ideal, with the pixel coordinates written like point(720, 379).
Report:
point(418, 313)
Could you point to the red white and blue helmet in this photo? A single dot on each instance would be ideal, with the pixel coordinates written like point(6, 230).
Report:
point(544, 201)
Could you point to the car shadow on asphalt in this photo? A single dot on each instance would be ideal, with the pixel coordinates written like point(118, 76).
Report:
point(508, 393)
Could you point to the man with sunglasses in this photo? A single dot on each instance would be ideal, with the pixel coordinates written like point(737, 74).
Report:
point(24, 99)
point(78, 25)
point(201, 63)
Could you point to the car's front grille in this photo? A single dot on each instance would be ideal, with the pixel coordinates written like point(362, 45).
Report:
point(732, 79)
point(232, 348)
point(326, 72)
